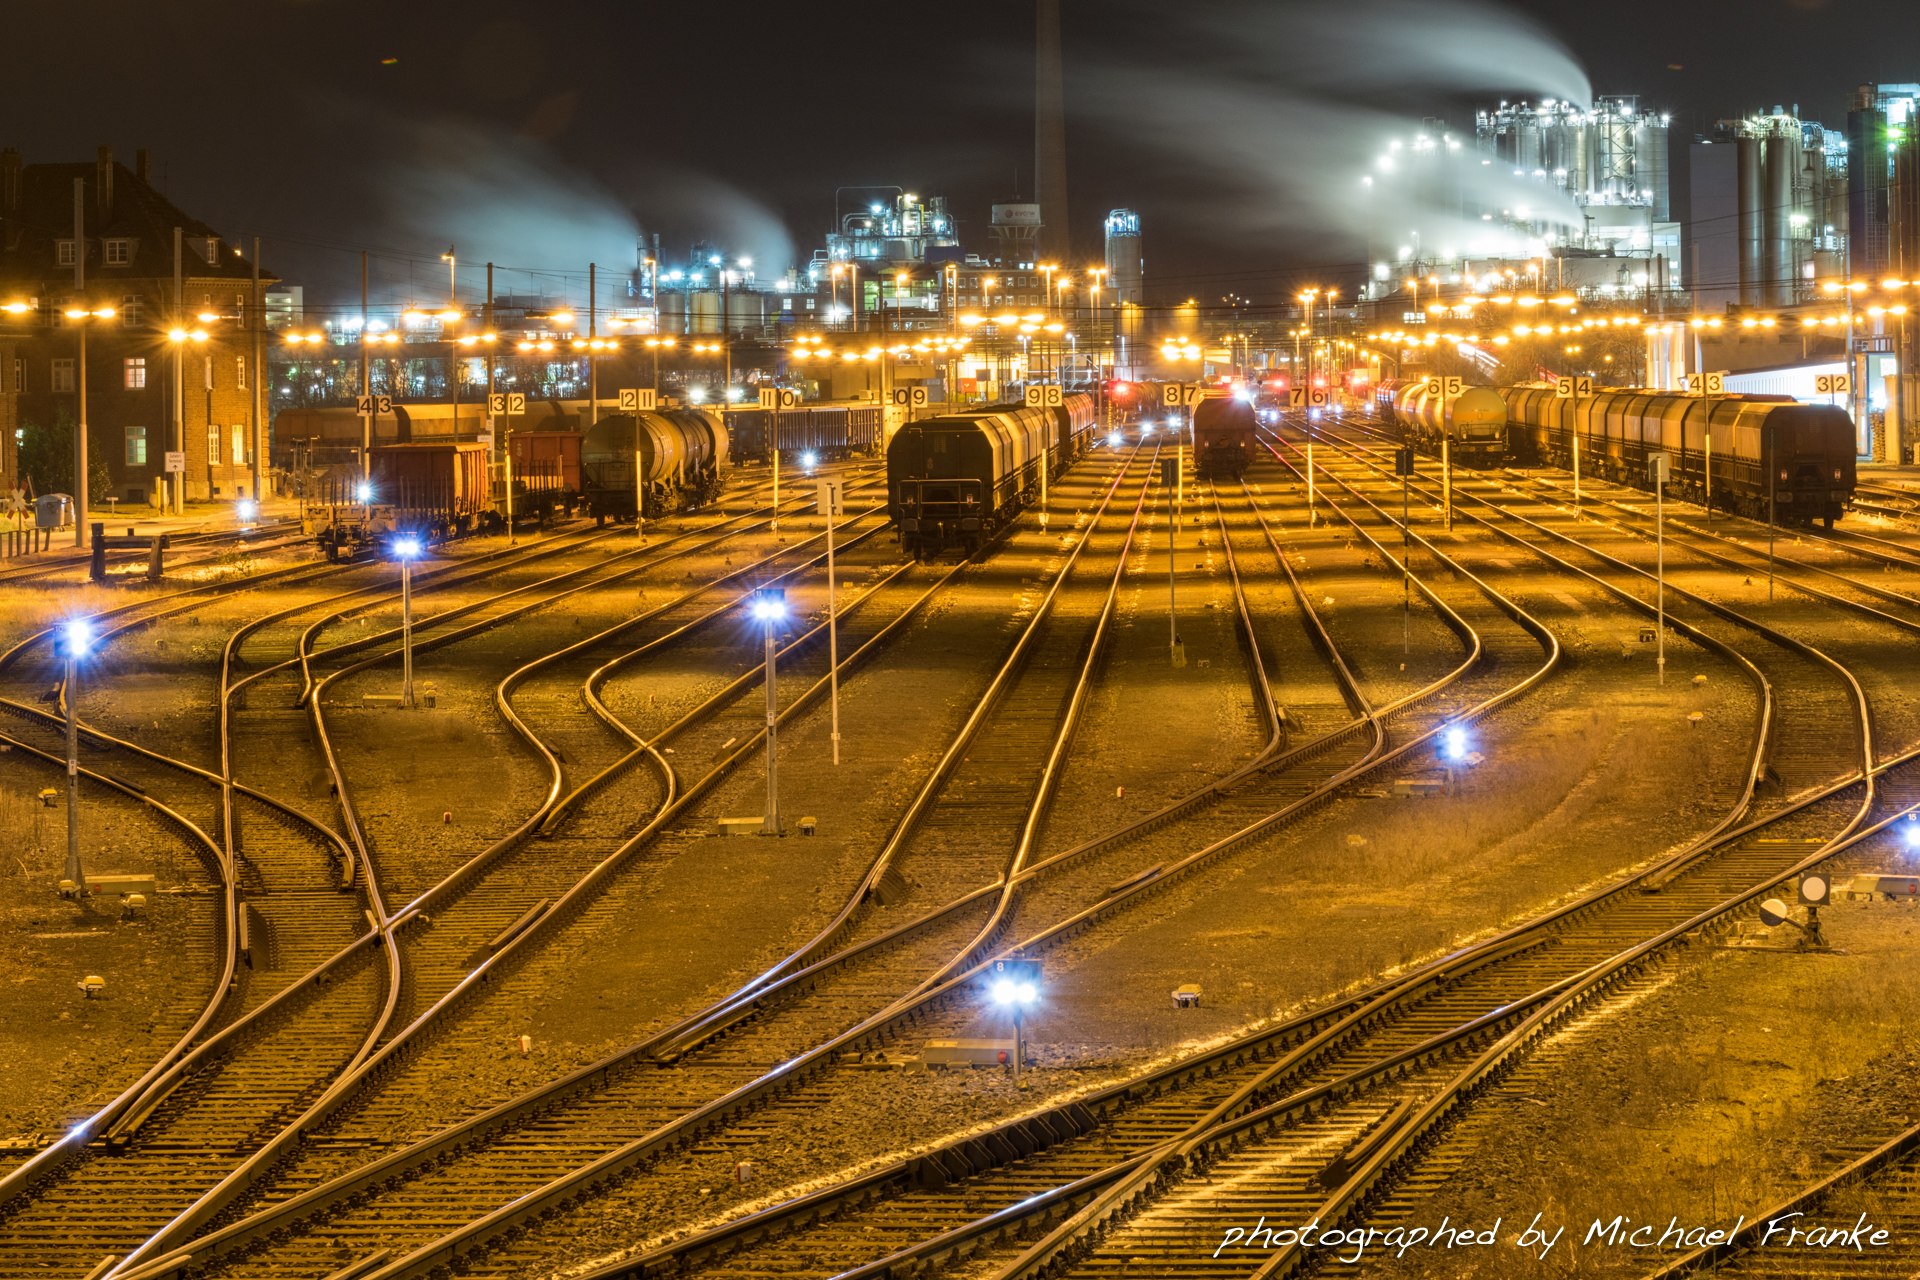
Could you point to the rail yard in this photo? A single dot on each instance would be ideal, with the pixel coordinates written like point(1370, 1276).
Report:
point(1335, 850)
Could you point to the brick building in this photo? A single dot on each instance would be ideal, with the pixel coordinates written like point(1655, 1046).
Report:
point(160, 374)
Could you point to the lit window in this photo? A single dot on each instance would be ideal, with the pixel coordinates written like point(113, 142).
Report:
point(118, 252)
point(240, 372)
point(213, 445)
point(62, 375)
point(239, 445)
point(136, 373)
point(136, 445)
point(63, 252)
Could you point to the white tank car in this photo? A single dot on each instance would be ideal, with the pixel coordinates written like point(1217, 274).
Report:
point(1475, 421)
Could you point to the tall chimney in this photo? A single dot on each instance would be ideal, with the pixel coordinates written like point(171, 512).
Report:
point(103, 182)
point(10, 165)
point(143, 165)
point(1050, 136)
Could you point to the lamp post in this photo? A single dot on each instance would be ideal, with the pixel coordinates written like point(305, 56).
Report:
point(769, 605)
point(79, 315)
point(406, 550)
point(1016, 984)
point(71, 644)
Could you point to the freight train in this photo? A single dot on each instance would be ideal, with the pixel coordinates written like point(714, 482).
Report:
point(429, 491)
point(1223, 428)
point(1474, 423)
point(824, 431)
point(1753, 447)
point(657, 463)
point(958, 479)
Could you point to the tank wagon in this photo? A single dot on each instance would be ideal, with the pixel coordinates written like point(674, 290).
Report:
point(1223, 428)
point(1808, 448)
point(1474, 423)
point(682, 454)
point(826, 431)
point(957, 479)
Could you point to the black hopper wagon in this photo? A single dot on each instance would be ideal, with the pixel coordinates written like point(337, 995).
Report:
point(658, 463)
point(956, 480)
point(1223, 428)
point(1741, 453)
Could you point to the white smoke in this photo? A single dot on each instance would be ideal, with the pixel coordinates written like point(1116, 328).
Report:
point(1308, 119)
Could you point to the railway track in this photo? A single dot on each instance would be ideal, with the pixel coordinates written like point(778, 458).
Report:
point(273, 537)
point(518, 939)
point(305, 1003)
point(819, 1233)
point(1369, 1160)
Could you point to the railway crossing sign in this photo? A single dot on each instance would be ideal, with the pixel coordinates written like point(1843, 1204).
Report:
point(637, 399)
point(512, 402)
point(1446, 387)
point(1709, 384)
point(373, 404)
point(917, 396)
point(1832, 384)
point(1567, 388)
point(775, 398)
point(1177, 394)
point(177, 461)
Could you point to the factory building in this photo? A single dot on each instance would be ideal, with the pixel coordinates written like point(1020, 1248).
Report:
point(1126, 277)
point(1880, 116)
point(1606, 208)
point(1769, 210)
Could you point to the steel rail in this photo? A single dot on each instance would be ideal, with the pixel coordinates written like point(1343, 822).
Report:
point(236, 1182)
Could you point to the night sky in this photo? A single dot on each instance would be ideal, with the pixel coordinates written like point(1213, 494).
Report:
point(544, 136)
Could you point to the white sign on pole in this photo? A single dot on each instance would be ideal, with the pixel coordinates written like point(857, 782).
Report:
point(1048, 397)
point(827, 498)
point(917, 397)
point(1446, 387)
point(497, 402)
point(1192, 393)
point(176, 462)
point(1296, 397)
point(638, 399)
point(1170, 395)
point(373, 404)
point(1832, 384)
point(1319, 397)
point(1710, 384)
point(1659, 467)
point(1569, 387)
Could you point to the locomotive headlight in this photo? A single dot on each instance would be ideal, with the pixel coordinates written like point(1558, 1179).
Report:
point(808, 459)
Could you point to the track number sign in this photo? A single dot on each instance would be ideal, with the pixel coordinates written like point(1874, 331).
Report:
point(1707, 384)
point(775, 398)
point(373, 404)
point(1176, 394)
point(1567, 388)
point(917, 396)
point(1319, 397)
point(1832, 384)
point(1046, 397)
point(1448, 387)
point(508, 402)
point(637, 399)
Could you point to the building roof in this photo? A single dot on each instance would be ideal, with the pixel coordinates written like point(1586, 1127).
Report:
point(36, 211)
